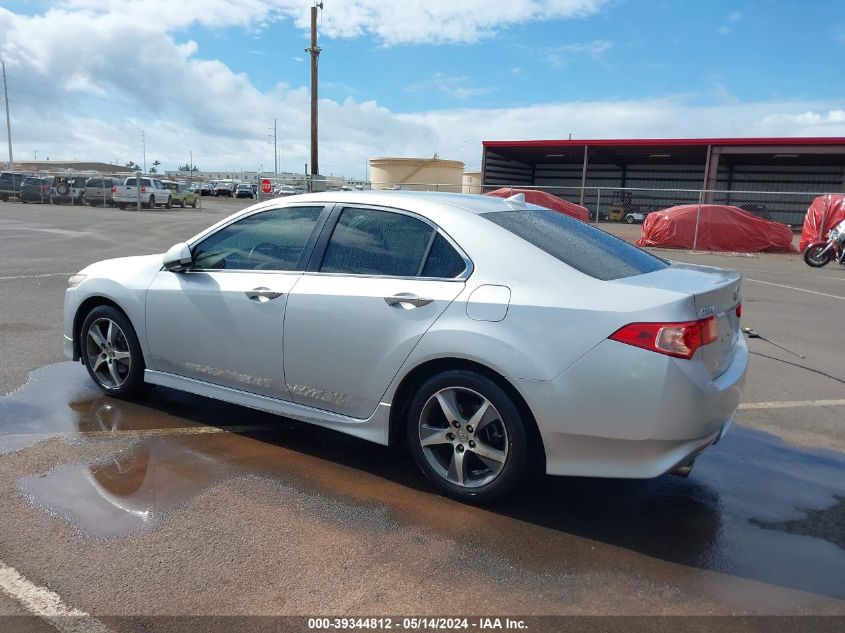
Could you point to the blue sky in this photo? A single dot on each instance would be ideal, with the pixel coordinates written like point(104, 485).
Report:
point(415, 77)
point(715, 50)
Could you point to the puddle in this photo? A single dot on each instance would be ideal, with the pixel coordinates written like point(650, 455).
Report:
point(753, 506)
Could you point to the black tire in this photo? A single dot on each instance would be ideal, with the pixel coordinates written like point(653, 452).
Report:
point(194, 204)
point(182, 203)
point(629, 219)
point(124, 340)
point(169, 203)
point(151, 204)
point(514, 442)
point(814, 258)
point(63, 189)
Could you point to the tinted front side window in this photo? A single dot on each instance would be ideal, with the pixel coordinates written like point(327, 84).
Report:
point(272, 240)
point(579, 245)
point(371, 242)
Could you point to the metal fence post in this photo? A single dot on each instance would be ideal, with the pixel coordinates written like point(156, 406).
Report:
point(598, 204)
point(697, 218)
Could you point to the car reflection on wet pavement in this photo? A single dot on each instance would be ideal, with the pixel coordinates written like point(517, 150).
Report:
point(753, 508)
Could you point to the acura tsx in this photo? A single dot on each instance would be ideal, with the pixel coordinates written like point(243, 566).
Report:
point(493, 336)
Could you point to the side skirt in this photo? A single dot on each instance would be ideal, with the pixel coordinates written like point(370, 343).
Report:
point(375, 428)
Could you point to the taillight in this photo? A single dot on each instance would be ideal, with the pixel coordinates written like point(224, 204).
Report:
point(45, 187)
point(673, 339)
point(143, 189)
point(739, 311)
point(114, 189)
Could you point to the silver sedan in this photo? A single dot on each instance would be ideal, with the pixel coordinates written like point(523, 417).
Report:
point(492, 336)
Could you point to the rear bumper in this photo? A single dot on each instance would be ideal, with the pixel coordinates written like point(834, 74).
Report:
point(625, 412)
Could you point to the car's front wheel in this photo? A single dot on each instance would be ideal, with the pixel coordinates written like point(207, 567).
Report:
point(111, 352)
point(467, 436)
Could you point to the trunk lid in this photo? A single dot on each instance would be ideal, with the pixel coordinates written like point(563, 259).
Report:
point(715, 292)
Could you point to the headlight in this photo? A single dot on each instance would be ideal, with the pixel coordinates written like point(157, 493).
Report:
point(74, 280)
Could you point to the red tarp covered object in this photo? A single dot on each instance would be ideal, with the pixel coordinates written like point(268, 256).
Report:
point(721, 228)
point(543, 199)
point(822, 215)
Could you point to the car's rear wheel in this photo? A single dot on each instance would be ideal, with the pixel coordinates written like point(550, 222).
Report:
point(152, 203)
point(194, 204)
point(169, 203)
point(111, 352)
point(467, 436)
point(629, 219)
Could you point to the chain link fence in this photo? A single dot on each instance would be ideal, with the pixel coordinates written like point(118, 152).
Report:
point(702, 223)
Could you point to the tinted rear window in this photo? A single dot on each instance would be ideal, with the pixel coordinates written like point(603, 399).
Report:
point(579, 245)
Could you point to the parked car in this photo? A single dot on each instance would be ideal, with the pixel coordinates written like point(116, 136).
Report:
point(285, 190)
point(206, 189)
point(181, 195)
point(151, 194)
point(563, 348)
point(10, 184)
point(244, 190)
point(69, 189)
point(36, 189)
point(98, 190)
point(224, 188)
point(635, 217)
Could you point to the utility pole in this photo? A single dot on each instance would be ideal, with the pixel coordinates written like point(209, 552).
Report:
point(144, 149)
point(8, 126)
point(314, 51)
point(275, 151)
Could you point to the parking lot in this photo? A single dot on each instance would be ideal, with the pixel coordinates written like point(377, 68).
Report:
point(175, 504)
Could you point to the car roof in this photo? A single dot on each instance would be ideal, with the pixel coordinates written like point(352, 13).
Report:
point(476, 204)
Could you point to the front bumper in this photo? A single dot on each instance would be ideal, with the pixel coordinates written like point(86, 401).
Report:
point(624, 412)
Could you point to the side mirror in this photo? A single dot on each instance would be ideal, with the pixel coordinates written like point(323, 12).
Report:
point(178, 258)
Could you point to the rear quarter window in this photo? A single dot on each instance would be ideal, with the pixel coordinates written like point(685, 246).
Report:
point(576, 244)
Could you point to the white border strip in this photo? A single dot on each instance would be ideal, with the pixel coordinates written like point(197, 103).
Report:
point(47, 604)
point(791, 404)
point(812, 292)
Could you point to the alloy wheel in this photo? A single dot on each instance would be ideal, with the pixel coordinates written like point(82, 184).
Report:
point(107, 351)
point(463, 437)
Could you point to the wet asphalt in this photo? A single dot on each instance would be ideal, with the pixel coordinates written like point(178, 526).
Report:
point(175, 504)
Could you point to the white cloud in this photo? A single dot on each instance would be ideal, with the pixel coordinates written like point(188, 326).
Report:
point(456, 87)
point(732, 18)
point(391, 22)
point(558, 56)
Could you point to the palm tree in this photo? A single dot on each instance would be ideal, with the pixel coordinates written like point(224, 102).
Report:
point(154, 169)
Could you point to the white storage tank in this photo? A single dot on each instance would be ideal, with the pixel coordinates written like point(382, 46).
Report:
point(417, 174)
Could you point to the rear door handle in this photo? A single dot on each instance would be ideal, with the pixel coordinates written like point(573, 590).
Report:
point(262, 294)
point(407, 299)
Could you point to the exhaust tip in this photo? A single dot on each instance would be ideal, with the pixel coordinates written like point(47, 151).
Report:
point(685, 470)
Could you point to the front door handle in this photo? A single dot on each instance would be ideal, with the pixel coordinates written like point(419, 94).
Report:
point(406, 299)
point(262, 294)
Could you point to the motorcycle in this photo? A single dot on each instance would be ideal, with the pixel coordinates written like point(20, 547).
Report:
point(818, 254)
